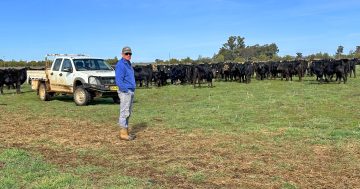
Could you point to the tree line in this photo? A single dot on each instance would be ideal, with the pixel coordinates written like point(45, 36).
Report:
point(233, 50)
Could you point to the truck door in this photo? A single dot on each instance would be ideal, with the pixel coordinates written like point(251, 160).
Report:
point(59, 77)
point(66, 77)
point(55, 71)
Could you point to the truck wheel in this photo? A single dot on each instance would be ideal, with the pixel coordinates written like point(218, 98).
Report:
point(43, 94)
point(81, 96)
point(116, 100)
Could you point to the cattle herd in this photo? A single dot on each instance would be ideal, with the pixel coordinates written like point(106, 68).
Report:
point(160, 75)
point(12, 78)
point(324, 70)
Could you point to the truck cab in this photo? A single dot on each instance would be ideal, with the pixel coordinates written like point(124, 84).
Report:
point(82, 76)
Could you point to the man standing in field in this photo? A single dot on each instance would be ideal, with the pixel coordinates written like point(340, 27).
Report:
point(125, 80)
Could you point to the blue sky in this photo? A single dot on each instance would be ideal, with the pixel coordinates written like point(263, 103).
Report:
point(177, 29)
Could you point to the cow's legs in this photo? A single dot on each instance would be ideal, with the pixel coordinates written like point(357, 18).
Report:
point(18, 88)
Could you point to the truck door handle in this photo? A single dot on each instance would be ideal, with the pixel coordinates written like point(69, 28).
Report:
point(60, 74)
point(51, 73)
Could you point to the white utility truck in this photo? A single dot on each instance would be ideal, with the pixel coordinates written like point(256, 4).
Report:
point(82, 76)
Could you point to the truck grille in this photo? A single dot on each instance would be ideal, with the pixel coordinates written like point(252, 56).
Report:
point(107, 80)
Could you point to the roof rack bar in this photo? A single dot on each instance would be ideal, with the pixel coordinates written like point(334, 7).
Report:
point(66, 55)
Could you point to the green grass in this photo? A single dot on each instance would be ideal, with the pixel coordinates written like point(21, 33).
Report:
point(232, 106)
point(266, 112)
point(329, 111)
point(20, 170)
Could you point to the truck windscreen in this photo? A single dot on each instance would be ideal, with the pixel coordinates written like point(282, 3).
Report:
point(91, 64)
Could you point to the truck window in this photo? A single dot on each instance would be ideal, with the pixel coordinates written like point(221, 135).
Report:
point(91, 64)
point(57, 64)
point(79, 65)
point(66, 64)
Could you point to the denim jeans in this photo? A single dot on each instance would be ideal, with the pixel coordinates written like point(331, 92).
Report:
point(126, 105)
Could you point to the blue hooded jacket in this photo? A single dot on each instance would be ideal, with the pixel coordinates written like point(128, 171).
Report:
point(124, 76)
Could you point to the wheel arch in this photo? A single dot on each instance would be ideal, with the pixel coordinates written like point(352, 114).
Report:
point(78, 82)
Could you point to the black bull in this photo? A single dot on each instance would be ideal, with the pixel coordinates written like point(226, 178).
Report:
point(12, 78)
point(143, 73)
point(202, 72)
point(328, 68)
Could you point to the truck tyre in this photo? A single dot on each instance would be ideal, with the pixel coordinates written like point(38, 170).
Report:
point(43, 94)
point(81, 96)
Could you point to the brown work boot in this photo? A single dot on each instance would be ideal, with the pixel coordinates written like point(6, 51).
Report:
point(124, 134)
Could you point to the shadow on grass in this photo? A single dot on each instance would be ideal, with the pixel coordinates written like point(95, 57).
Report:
point(13, 92)
point(96, 101)
point(203, 86)
point(325, 82)
point(315, 82)
point(139, 127)
point(144, 88)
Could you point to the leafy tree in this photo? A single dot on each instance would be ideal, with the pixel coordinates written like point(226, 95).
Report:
point(339, 51)
point(269, 50)
point(219, 58)
point(158, 61)
point(263, 57)
point(236, 48)
point(276, 58)
point(248, 52)
point(239, 59)
point(327, 56)
point(234, 42)
point(112, 61)
point(231, 49)
point(174, 61)
point(311, 57)
point(186, 60)
point(288, 57)
point(201, 59)
point(3, 63)
point(357, 51)
point(299, 55)
point(351, 54)
point(32, 63)
point(320, 55)
point(227, 54)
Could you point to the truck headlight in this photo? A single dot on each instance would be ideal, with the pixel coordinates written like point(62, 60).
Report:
point(94, 81)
